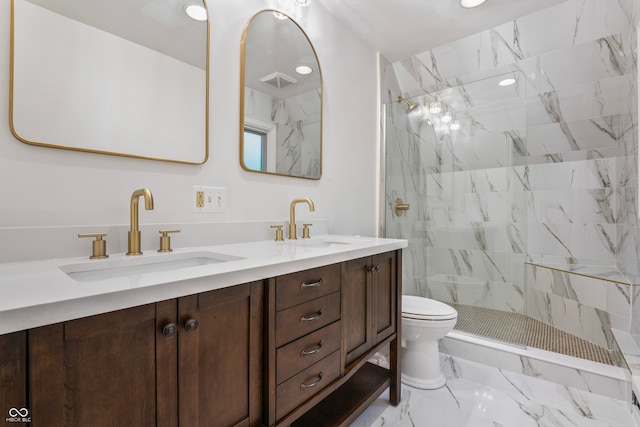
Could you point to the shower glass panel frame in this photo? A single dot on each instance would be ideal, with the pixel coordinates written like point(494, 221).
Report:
point(467, 217)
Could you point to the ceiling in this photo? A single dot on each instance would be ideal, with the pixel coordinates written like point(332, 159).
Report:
point(277, 46)
point(397, 28)
point(401, 28)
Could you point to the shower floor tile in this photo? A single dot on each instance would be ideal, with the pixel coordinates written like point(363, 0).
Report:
point(523, 330)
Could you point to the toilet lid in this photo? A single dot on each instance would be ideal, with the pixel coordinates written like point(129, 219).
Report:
point(426, 308)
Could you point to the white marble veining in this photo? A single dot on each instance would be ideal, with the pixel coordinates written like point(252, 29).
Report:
point(582, 305)
point(572, 23)
point(37, 293)
point(297, 120)
point(581, 374)
point(543, 171)
point(478, 395)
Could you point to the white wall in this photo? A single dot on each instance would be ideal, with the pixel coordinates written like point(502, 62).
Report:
point(52, 187)
point(134, 108)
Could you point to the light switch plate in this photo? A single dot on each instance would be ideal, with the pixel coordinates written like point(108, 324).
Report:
point(209, 199)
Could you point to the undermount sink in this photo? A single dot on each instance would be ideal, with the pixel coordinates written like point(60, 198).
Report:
point(311, 243)
point(112, 268)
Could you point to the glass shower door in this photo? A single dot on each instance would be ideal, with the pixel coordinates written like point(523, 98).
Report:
point(451, 160)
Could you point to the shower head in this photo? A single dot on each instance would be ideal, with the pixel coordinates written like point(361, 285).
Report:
point(410, 105)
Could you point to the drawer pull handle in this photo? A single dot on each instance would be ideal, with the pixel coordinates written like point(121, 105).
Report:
point(311, 317)
point(314, 350)
point(315, 284)
point(313, 384)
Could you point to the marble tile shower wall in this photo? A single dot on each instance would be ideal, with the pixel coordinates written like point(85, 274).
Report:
point(542, 171)
point(584, 306)
point(297, 120)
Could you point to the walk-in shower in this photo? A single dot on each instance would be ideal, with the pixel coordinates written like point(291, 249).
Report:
point(461, 162)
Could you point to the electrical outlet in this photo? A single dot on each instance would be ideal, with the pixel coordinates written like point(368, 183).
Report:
point(199, 199)
point(209, 199)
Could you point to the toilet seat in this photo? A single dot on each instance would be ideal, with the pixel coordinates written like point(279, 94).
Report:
point(421, 308)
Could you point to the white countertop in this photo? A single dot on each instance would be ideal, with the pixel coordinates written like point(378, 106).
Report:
point(38, 293)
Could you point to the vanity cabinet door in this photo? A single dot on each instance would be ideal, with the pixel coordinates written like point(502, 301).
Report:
point(220, 357)
point(369, 302)
point(384, 285)
point(13, 374)
point(96, 371)
point(356, 307)
point(192, 361)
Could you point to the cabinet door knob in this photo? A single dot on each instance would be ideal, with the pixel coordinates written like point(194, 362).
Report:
point(170, 330)
point(191, 325)
point(313, 384)
point(374, 269)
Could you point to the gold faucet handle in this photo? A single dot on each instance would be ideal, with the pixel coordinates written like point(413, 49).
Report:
point(279, 233)
point(165, 240)
point(305, 231)
point(99, 245)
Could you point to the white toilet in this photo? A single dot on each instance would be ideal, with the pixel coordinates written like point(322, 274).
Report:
point(424, 322)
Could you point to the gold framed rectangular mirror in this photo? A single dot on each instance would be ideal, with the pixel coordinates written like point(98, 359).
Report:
point(119, 77)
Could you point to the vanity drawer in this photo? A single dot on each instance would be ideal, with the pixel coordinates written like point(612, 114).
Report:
point(304, 385)
point(304, 352)
point(302, 286)
point(302, 319)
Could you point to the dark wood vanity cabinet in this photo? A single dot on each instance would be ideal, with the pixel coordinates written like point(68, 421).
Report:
point(292, 350)
point(323, 325)
point(191, 361)
point(303, 329)
point(369, 297)
point(13, 374)
point(220, 363)
point(99, 370)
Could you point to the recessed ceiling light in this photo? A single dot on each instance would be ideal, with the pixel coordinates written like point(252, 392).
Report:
point(304, 69)
point(468, 4)
point(197, 12)
point(507, 82)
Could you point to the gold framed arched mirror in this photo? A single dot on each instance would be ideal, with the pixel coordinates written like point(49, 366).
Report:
point(119, 77)
point(280, 99)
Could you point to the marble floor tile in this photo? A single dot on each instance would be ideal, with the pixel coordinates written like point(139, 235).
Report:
point(506, 399)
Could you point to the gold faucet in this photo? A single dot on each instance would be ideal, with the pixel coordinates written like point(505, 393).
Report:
point(292, 215)
point(134, 233)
